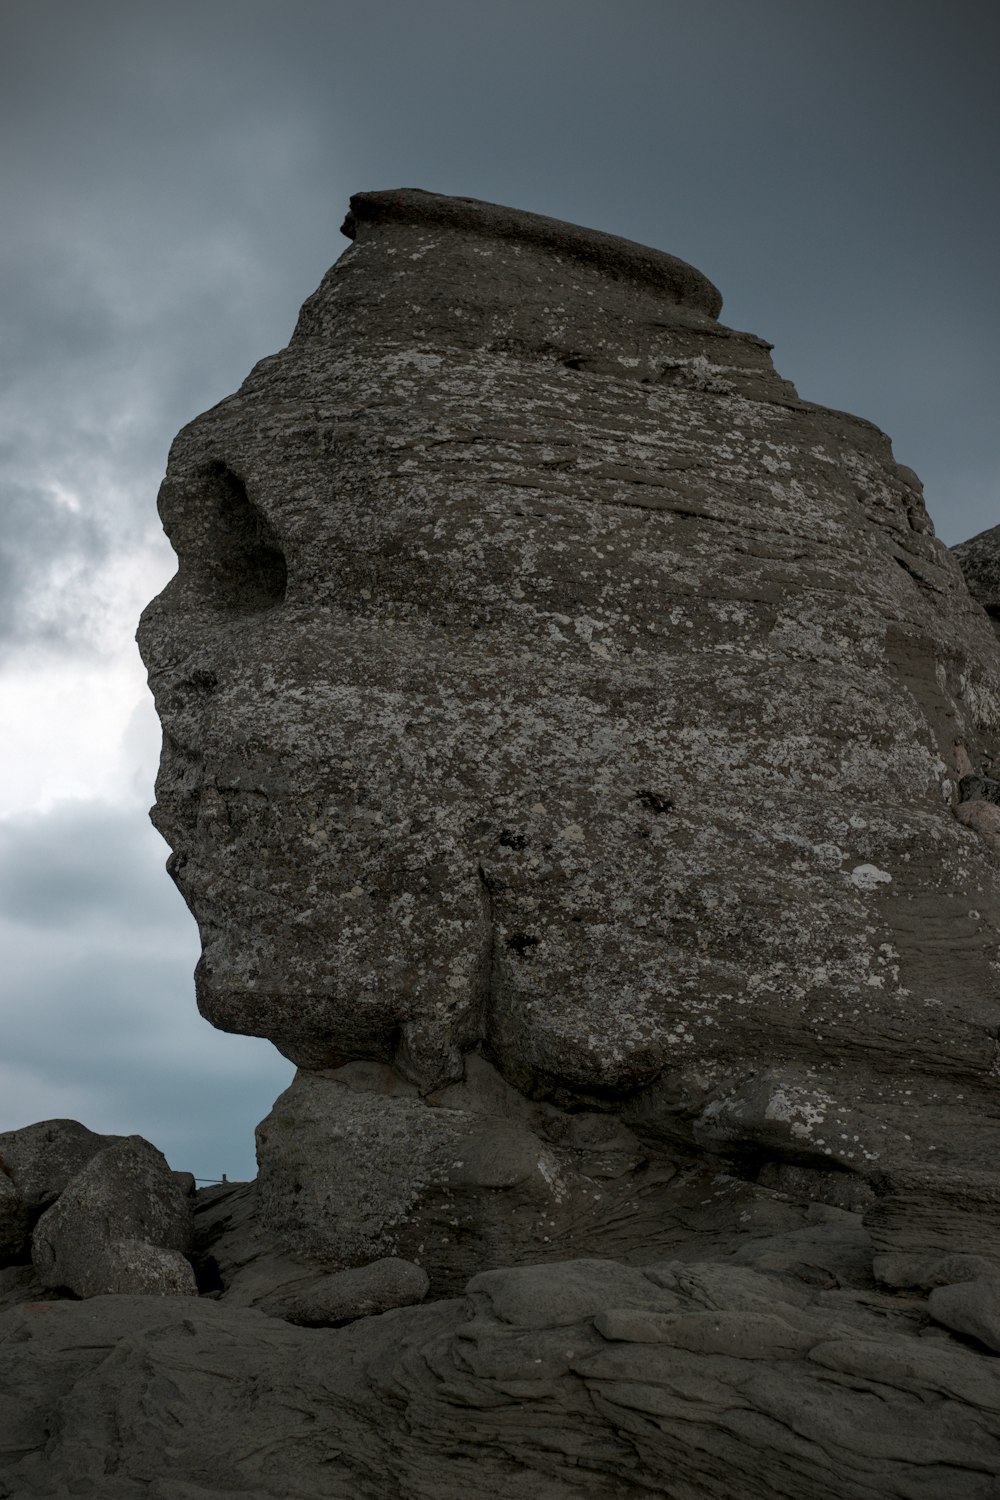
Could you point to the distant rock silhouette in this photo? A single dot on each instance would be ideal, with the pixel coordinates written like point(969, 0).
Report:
point(579, 757)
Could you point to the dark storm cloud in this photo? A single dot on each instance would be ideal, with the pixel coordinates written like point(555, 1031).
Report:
point(95, 379)
point(83, 863)
point(38, 533)
point(97, 1003)
point(50, 441)
point(133, 292)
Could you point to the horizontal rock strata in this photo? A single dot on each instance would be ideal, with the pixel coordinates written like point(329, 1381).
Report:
point(979, 559)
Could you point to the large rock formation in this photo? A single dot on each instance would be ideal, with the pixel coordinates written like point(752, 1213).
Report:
point(543, 681)
point(578, 756)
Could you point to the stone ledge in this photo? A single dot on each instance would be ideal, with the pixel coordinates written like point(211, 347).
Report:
point(619, 258)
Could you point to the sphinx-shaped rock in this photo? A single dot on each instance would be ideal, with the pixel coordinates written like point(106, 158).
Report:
point(544, 682)
point(579, 756)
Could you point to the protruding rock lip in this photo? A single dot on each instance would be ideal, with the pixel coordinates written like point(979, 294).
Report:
point(621, 259)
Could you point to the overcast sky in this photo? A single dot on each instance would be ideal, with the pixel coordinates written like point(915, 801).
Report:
point(173, 179)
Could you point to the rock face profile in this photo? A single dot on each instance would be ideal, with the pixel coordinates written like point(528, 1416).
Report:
point(578, 756)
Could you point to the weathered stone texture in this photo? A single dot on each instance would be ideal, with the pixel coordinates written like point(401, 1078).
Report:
point(579, 754)
point(979, 559)
point(970, 1307)
point(344, 1296)
point(36, 1164)
point(121, 1225)
point(543, 678)
point(583, 1381)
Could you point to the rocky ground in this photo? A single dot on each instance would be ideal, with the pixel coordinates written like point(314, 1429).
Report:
point(754, 1353)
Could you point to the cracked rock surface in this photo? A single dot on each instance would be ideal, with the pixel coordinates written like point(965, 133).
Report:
point(979, 559)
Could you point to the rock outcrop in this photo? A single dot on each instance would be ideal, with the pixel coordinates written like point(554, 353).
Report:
point(543, 681)
point(578, 755)
point(121, 1225)
point(36, 1164)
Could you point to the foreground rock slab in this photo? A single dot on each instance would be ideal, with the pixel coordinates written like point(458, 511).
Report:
point(580, 1381)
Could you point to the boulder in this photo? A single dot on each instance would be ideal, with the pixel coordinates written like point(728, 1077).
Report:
point(42, 1159)
point(121, 1225)
point(36, 1163)
point(970, 1307)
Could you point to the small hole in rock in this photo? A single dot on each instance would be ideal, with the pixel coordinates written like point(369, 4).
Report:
point(247, 563)
point(654, 801)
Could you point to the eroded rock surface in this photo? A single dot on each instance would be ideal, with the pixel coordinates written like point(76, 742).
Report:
point(979, 559)
point(544, 681)
point(585, 1379)
point(36, 1164)
point(579, 756)
point(122, 1224)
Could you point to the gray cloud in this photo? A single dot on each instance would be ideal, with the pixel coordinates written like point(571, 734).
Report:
point(97, 1004)
point(84, 862)
point(42, 536)
point(183, 171)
